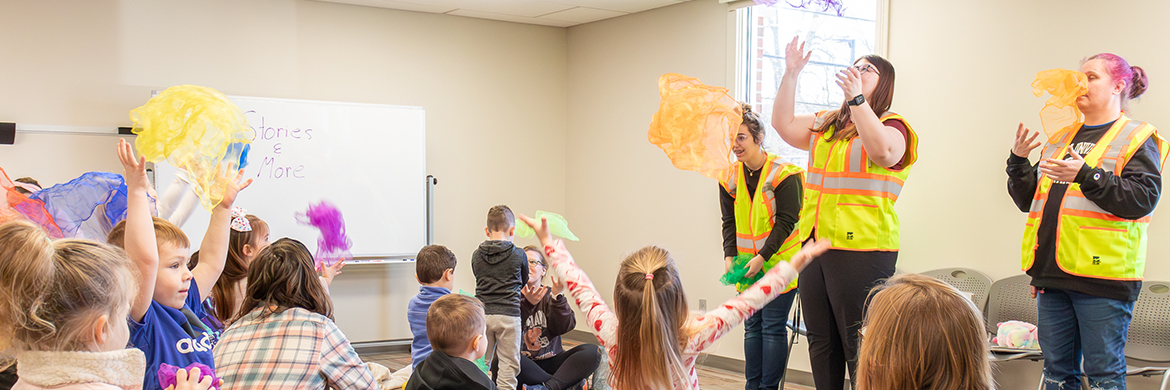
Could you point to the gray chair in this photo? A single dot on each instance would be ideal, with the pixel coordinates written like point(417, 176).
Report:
point(1011, 299)
point(967, 280)
point(1149, 331)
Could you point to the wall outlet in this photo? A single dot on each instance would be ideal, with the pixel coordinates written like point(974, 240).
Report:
point(703, 305)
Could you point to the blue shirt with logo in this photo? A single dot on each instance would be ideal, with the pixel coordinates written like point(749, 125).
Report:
point(162, 337)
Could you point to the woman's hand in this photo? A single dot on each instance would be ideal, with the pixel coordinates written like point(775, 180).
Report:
point(754, 265)
point(795, 58)
point(808, 252)
point(850, 82)
point(557, 287)
point(533, 294)
point(1024, 143)
point(1063, 170)
point(728, 262)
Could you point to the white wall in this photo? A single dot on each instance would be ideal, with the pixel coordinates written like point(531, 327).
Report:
point(494, 92)
point(964, 83)
point(623, 193)
point(964, 74)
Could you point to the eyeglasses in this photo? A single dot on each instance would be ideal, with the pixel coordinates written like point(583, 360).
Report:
point(866, 68)
point(534, 262)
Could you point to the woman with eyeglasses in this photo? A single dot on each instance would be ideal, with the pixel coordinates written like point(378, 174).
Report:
point(859, 157)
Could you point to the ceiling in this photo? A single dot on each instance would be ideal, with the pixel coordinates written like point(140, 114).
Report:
point(557, 13)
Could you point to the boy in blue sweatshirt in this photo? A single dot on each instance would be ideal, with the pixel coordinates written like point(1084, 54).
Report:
point(434, 268)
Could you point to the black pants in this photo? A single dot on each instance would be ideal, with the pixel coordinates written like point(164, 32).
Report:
point(833, 292)
point(8, 377)
point(559, 372)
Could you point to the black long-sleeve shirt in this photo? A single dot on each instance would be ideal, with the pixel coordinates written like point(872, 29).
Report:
point(1131, 195)
point(789, 195)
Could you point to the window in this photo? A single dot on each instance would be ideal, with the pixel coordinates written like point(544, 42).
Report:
point(835, 42)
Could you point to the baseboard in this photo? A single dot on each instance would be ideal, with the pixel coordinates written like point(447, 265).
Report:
point(382, 346)
point(707, 360)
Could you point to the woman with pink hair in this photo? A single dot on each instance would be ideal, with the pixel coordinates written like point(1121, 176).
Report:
point(1089, 202)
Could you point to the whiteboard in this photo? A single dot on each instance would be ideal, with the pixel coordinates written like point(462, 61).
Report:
point(369, 160)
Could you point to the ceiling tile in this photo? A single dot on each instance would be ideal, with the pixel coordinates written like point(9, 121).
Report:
point(618, 5)
point(525, 8)
point(583, 15)
point(510, 18)
point(437, 7)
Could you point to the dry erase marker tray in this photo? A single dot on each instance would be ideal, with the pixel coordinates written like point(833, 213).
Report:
point(380, 260)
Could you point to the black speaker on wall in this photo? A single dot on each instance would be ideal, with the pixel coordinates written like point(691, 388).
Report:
point(7, 133)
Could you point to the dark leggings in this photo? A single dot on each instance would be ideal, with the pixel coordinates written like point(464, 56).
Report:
point(567, 369)
point(833, 292)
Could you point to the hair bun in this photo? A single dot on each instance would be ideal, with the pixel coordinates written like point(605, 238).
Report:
point(1139, 83)
point(747, 108)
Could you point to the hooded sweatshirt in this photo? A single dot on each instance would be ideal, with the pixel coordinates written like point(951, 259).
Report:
point(501, 269)
point(440, 371)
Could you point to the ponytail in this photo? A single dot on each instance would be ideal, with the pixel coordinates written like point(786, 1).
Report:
point(652, 335)
point(651, 309)
point(1139, 83)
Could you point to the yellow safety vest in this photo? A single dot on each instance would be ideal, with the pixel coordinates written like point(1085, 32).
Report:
point(1090, 241)
point(755, 215)
point(847, 198)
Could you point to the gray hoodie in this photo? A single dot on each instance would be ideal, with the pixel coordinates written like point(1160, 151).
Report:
point(501, 269)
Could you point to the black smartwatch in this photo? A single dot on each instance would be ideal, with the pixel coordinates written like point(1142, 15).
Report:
point(856, 101)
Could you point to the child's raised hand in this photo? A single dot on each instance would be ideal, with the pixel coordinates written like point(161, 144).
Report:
point(234, 185)
point(133, 169)
point(330, 271)
point(541, 228)
point(183, 381)
point(808, 252)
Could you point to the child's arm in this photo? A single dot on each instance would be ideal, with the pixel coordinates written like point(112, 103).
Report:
point(140, 243)
point(213, 250)
point(602, 320)
point(715, 323)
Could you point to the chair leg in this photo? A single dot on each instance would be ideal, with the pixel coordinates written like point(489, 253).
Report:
point(1165, 379)
point(791, 340)
point(1041, 385)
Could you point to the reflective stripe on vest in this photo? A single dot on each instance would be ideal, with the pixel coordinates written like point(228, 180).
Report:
point(1090, 241)
point(849, 199)
point(755, 215)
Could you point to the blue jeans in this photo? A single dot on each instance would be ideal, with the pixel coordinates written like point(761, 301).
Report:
point(765, 343)
point(1073, 326)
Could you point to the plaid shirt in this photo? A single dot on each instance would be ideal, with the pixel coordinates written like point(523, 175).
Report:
point(296, 349)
